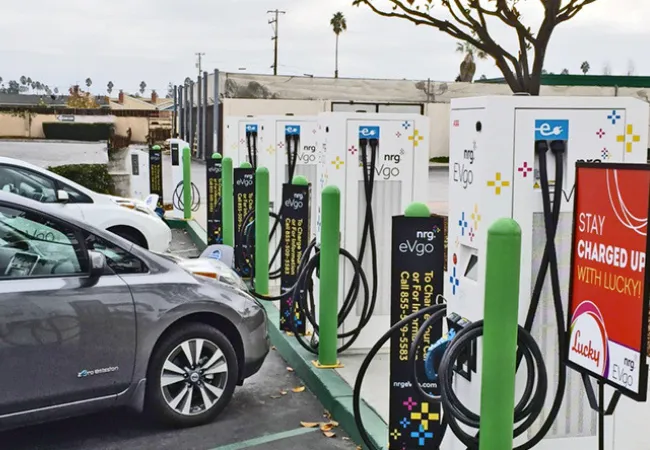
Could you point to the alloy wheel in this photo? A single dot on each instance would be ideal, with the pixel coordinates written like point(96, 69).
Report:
point(194, 376)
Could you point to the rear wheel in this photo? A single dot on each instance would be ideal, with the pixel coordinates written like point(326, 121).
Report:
point(192, 376)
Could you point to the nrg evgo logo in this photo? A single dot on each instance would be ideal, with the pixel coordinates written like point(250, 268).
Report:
point(369, 132)
point(551, 130)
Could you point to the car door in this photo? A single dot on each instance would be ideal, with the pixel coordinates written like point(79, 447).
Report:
point(38, 186)
point(64, 336)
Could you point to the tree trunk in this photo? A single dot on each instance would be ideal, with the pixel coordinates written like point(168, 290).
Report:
point(336, 58)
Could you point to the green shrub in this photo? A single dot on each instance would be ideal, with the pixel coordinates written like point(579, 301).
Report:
point(92, 176)
point(91, 132)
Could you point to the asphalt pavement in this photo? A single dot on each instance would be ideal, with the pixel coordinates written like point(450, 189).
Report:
point(265, 414)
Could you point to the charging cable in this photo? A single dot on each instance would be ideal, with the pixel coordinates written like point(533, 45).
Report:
point(177, 197)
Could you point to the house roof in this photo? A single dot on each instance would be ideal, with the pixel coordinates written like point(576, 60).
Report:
point(131, 102)
point(40, 100)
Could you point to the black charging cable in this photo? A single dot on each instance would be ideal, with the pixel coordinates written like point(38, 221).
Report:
point(251, 147)
point(177, 197)
point(303, 290)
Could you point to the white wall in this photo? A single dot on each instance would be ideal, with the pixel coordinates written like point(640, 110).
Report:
point(44, 153)
point(257, 107)
point(438, 114)
point(310, 95)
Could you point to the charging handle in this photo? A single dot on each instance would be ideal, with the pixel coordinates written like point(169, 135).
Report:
point(466, 362)
point(434, 355)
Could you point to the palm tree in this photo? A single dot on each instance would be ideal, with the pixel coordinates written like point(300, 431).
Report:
point(143, 86)
point(339, 25)
point(109, 87)
point(89, 82)
point(468, 66)
point(584, 67)
point(23, 80)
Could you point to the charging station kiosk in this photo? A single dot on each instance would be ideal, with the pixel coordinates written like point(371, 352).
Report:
point(245, 140)
point(268, 139)
point(138, 167)
point(176, 147)
point(400, 177)
point(494, 172)
point(298, 135)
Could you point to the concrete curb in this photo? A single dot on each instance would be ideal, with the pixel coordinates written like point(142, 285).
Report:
point(332, 391)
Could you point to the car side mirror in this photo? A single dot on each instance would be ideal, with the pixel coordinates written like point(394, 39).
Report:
point(97, 263)
point(62, 196)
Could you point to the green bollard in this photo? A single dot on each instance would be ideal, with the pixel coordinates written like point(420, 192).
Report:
point(299, 180)
point(187, 183)
point(417, 209)
point(228, 203)
point(262, 230)
point(329, 278)
point(500, 335)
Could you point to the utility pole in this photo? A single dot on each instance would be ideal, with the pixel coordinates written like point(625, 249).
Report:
point(198, 63)
point(275, 37)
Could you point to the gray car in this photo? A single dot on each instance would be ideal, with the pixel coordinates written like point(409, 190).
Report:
point(90, 321)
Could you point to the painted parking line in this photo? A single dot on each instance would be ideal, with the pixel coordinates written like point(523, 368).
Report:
point(266, 439)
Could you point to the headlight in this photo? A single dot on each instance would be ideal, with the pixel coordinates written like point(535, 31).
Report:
point(212, 268)
point(231, 278)
point(138, 208)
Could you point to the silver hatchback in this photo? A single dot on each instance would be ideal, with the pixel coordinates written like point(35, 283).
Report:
point(90, 321)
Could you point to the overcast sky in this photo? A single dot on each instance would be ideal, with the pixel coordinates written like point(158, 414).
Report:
point(64, 42)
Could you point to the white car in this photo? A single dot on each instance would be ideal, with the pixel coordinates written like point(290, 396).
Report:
point(133, 220)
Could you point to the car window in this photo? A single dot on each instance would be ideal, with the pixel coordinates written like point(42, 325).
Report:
point(27, 183)
point(33, 245)
point(74, 195)
point(118, 259)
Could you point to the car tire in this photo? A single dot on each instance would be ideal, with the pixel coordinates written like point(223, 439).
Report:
point(210, 388)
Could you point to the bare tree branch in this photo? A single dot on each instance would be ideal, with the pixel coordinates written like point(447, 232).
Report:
point(571, 9)
point(469, 23)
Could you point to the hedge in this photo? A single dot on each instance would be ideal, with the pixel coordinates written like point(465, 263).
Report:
point(92, 176)
point(92, 132)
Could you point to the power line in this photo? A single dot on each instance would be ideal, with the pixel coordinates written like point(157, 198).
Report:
point(198, 63)
point(275, 21)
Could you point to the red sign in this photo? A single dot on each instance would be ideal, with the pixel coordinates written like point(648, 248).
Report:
point(608, 299)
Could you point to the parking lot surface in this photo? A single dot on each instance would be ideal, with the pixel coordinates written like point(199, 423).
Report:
point(264, 414)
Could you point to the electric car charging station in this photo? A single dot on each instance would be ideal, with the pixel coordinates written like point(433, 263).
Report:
point(512, 163)
point(245, 141)
point(138, 168)
point(294, 141)
point(176, 147)
point(396, 152)
point(502, 152)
